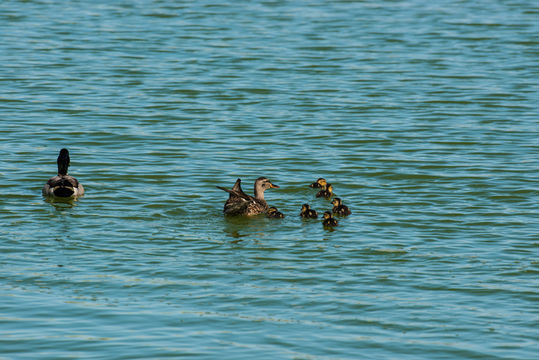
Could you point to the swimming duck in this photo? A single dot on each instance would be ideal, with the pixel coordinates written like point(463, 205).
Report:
point(239, 203)
point(63, 185)
point(339, 208)
point(274, 213)
point(320, 183)
point(329, 220)
point(326, 192)
point(307, 212)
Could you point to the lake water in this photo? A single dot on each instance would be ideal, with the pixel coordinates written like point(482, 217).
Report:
point(423, 116)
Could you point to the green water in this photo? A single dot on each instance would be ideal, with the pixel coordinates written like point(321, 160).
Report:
point(423, 116)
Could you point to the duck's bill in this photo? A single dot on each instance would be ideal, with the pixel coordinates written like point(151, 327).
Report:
point(274, 186)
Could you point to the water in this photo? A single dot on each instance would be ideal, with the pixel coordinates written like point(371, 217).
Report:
point(422, 115)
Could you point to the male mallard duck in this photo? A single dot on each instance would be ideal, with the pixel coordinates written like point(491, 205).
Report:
point(63, 185)
point(274, 213)
point(239, 203)
point(329, 220)
point(326, 192)
point(339, 208)
point(307, 212)
point(320, 183)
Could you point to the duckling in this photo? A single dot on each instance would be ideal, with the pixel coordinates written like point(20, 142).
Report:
point(239, 203)
point(339, 208)
point(63, 185)
point(320, 183)
point(329, 220)
point(307, 212)
point(326, 192)
point(274, 213)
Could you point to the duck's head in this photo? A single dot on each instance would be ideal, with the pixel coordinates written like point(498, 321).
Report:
point(327, 215)
point(322, 182)
point(336, 202)
point(63, 162)
point(261, 185)
point(329, 188)
point(305, 208)
point(264, 183)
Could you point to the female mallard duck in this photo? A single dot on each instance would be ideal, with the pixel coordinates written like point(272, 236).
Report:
point(339, 208)
point(63, 185)
point(320, 183)
point(274, 213)
point(239, 203)
point(326, 192)
point(329, 220)
point(307, 212)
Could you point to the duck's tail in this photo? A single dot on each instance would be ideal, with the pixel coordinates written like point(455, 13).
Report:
point(236, 190)
point(237, 186)
point(63, 186)
point(63, 191)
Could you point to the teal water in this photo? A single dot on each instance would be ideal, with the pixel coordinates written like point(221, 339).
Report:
point(422, 115)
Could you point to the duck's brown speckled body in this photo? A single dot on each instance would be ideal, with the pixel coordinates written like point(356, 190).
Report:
point(63, 185)
point(274, 213)
point(307, 212)
point(329, 220)
point(239, 203)
point(326, 192)
point(339, 208)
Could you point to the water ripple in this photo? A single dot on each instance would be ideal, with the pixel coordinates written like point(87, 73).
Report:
point(423, 117)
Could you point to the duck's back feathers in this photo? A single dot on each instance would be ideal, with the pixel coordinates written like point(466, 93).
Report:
point(326, 192)
point(239, 203)
point(241, 206)
point(63, 186)
point(323, 193)
point(341, 210)
point(307, 212)
point(329, 220)
point(274, 213)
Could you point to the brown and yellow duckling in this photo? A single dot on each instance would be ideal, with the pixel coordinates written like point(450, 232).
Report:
point(318, 184)
point(329, 220)
point(274, 213)
point(339, 208)
point(239, 203)
point(63, 185)
point(326, 192)
point(307, 212)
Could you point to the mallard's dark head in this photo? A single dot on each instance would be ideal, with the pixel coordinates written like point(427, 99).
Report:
point(327, 215)
point(336, 202)
point(63, 162)
point(305, 208)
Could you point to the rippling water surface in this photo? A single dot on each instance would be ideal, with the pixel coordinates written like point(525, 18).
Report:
point(423, 116)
